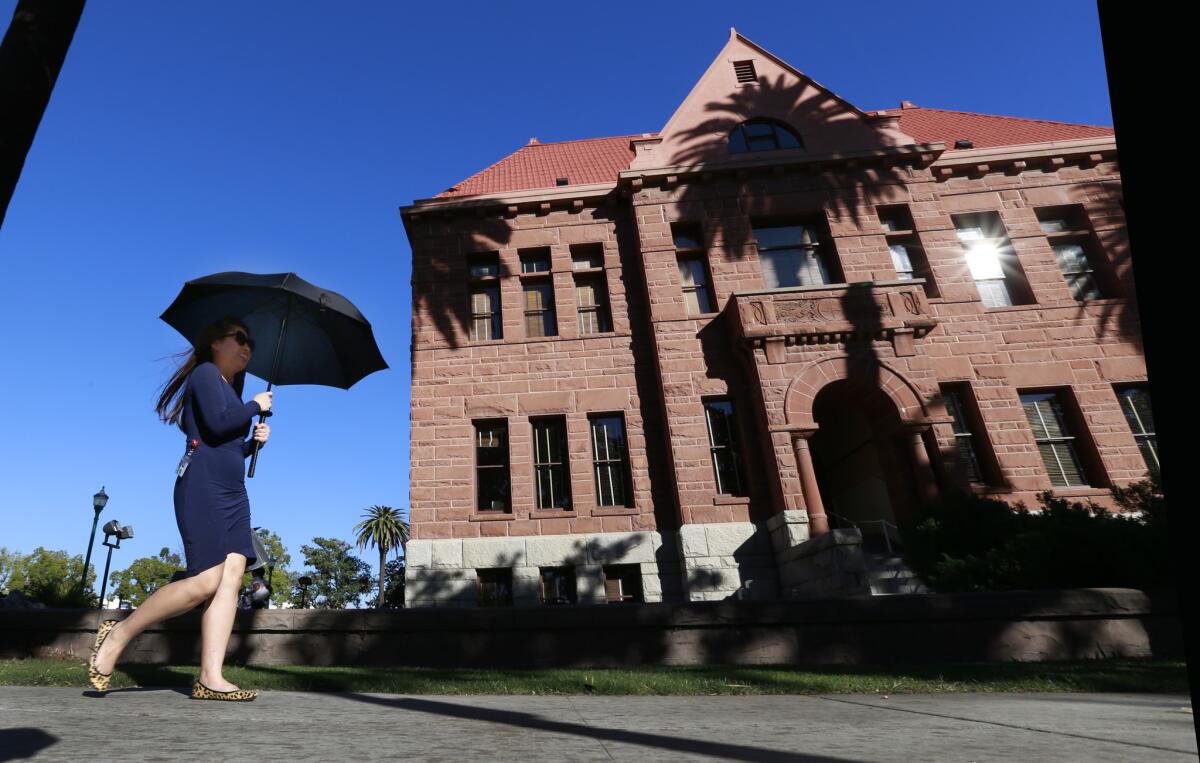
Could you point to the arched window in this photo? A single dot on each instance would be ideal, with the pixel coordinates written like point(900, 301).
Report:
point(762, 135)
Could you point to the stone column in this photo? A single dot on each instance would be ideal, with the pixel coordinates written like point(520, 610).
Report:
point(818, 523)
point(927, 486)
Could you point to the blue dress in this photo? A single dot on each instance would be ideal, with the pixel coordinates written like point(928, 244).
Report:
point(211, 505)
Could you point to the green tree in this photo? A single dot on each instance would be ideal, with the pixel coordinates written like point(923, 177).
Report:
point(383, 528)
point(144, 576)
point(283, 580)
point(340, 579)
point(52, 578)
point(395, 586)
point(8, 562)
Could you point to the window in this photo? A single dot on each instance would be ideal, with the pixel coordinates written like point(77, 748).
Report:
point(609, 464)
point(551, 473)
point(693, 268)
point(908, 258)
point(491, 465)
point(1055, 441)
point(762, 135)
point(1068, 234)
point(540, 318)
point(790, 256)
point(622, 583)
point(495, 587)
point(991, 260)
point(535, 260)
point(558, 585)
point(723, 445)
point(957, 399)
point(483, 273)
point(1135, 402)
point(587, 256)
point(591, 300)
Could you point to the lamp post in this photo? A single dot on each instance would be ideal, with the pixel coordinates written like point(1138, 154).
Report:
point(98, 502)
point(305, 581)
point(115, 530)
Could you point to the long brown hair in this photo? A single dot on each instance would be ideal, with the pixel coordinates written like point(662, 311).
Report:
point(170, 402)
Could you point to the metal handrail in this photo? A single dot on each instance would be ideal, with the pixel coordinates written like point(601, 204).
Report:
point(883, 523)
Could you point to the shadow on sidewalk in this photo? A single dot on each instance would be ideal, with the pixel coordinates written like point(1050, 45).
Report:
point(644, 739)
point(16, 744)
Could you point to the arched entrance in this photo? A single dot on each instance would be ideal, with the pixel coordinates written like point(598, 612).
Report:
point(869, 424)
point(860, 455)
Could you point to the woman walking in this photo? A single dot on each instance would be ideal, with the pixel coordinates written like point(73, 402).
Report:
point(204, 398)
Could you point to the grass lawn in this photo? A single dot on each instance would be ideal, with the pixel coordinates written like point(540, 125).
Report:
point(1082, 676)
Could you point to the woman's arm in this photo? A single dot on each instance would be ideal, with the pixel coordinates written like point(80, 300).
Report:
point(215, 415)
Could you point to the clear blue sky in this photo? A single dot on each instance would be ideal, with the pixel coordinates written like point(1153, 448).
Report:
point(189, 138)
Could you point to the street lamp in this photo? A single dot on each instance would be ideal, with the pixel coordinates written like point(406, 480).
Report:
point(115, 530)
point(305, 581)
point(98, 502)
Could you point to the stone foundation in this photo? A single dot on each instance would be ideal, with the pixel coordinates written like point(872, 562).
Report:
point(728, 560)
point(444, 572)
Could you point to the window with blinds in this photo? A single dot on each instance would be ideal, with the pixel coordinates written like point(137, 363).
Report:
point(551, 471)
point(483, 271)
point(1069, 235)
point(992, 261)
point(610, 464)
point(1135, 403)
point(591, 304)
point(1056, 441)
point(540, 318)
point(957, 400)
point(790, 255)
point(622, 583)
point(692, 259)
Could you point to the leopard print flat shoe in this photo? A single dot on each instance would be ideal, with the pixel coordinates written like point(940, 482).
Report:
point(200, 691)
point(98, 680)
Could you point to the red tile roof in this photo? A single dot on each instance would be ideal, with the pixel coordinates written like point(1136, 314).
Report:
point(599, 160)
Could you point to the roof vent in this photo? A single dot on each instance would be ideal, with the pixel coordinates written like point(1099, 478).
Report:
point(963, 143)
point(560, 181)
point(532, 142)
point(907, 105)
point(745, 71)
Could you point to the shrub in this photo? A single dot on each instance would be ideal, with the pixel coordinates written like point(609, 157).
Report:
point(970, 543)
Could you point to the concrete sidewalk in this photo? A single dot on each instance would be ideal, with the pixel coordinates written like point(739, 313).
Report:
point(164, 724)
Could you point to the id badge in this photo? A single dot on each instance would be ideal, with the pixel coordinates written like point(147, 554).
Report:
point(187, 457)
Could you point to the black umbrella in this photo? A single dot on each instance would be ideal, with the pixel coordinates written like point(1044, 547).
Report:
point(310, 334)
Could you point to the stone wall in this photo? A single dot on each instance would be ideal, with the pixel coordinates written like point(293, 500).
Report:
point(443, 573)
point(932, 628)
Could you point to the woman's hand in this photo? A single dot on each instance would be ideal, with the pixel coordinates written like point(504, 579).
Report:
point(264, 400)
point(262, 432)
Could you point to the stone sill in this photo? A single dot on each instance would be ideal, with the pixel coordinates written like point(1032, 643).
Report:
point(731, 500)
point(556, 514)
point(622, 511)
point(1059, 305)
point(494, 516)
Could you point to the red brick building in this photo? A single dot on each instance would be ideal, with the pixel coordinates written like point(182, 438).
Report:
point(666, 365)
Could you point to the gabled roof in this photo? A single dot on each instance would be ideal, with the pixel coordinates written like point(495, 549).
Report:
point(599, 160)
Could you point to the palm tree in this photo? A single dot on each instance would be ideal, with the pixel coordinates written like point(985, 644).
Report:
point(384, 528)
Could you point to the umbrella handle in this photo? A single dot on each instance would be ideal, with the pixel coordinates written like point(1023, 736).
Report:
point(254, 454)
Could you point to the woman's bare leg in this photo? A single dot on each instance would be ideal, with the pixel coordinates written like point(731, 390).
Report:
point(217, 623)
point(169, 601)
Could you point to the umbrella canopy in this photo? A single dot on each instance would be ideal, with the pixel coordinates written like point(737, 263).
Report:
point(303, 334)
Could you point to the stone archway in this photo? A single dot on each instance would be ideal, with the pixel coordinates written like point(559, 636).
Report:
point(895, 401)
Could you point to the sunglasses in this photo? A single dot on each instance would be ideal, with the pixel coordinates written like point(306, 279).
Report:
point(241, 338)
